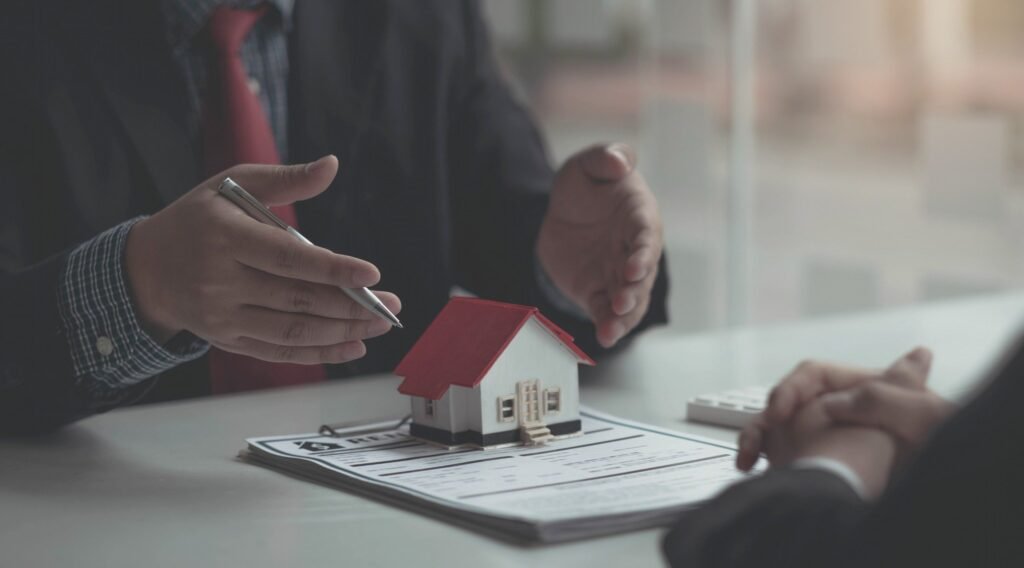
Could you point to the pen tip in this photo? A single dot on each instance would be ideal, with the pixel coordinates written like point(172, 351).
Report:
point(399, 325)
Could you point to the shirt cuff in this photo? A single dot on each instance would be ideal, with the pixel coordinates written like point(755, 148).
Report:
point(555, 296)
point(837, 468)
point(109, 349)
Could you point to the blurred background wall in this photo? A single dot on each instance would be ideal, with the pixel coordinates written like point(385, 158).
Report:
point(829, 156)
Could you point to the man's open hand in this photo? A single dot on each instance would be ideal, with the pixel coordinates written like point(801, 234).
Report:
point(203, 265)
point(602, 238)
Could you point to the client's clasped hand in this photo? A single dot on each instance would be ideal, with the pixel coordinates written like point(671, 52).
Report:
point(869, 420)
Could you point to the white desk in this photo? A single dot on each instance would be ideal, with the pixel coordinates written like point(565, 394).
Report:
point(158, 485)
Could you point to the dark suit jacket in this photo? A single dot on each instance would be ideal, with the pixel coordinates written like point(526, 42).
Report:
point(960, 503)
point(443, 176)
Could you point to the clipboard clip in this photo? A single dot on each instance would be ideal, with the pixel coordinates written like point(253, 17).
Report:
point(333, 430)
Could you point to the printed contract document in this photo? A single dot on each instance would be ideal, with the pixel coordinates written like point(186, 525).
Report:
point(617, 476)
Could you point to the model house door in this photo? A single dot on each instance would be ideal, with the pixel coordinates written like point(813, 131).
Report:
point(529, 401)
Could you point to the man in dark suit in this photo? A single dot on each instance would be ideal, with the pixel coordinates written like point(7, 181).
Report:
point(835, 437)
point(117, 280)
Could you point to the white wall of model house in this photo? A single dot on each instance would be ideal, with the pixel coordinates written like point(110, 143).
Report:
point(534, 353)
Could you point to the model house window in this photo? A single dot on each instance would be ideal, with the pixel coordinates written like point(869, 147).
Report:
point(552, 400)
point(506, 408)
point(429, 407)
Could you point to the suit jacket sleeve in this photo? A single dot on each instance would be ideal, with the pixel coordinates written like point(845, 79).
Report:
point(38, 385)
point(957, 504)
point(500, 183)
point(39, 389)
point(787, 517)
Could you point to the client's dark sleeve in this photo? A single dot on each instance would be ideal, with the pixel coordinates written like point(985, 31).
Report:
point(787, 517)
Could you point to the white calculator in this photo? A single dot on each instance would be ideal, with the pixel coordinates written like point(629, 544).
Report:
point(732, 408)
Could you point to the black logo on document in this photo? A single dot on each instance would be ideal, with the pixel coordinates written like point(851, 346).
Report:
point(318, 446)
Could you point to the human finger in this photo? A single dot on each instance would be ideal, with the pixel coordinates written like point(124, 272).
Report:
point(750, 441)
point(620, 325)
point(608, 330)
point(282, 184)
point(910, 370)
point(304, 330)
point(629, 303)
point(607, 162)
point(299, 296)
point(633, 297)
point(272, 250)
point(616, 314)
point(642, 260)
point(807, 381)
point(908, 415)
point(338, 353)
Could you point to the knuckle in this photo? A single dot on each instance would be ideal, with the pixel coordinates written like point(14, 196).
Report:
point(867, 398)
point(285, 353)
point(302, 298)
point(295, 331)
point(287, 258)
point(214, 323)
point(338, 272)
point(207, 292)
point(284, 174)
point(353, 330)
point(352, 308)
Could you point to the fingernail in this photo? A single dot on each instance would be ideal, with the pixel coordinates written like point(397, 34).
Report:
point(313, 167)
point(630, 304)
point(637, 273)
point(626, 305)
point(365, 278)
point(623, 153)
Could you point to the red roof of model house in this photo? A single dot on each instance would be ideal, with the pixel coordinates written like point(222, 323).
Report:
point(464, 341)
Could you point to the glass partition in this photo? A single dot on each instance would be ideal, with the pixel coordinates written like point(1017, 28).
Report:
point(811, 157)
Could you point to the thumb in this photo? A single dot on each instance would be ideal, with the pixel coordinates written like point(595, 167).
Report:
point(607, 162)
point(282, 185)
point(910, 370)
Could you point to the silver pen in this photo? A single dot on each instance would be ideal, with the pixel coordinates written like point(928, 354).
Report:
point(246, 202)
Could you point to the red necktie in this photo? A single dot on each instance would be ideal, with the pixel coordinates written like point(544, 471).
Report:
point(236, 131)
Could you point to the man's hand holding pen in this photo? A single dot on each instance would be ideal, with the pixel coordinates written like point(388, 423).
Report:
point(204, 266)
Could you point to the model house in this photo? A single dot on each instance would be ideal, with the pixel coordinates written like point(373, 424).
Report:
point(488, 373)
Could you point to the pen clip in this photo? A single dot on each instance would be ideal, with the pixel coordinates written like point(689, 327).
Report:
point(333, 430)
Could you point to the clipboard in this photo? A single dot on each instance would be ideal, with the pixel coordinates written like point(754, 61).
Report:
point(334, 430)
